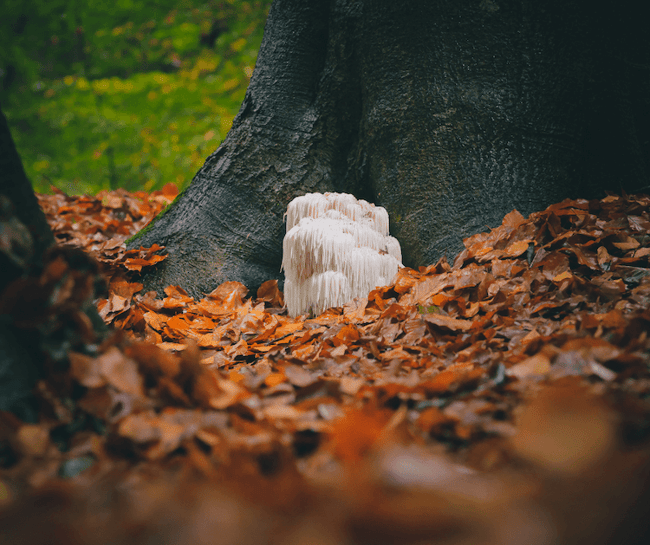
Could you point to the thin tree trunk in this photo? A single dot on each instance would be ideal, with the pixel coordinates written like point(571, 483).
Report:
point(15, 185)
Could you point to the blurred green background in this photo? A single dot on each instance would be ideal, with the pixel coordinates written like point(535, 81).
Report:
point(126, 93)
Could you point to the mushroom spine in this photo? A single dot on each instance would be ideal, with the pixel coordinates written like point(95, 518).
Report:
point(336, 248)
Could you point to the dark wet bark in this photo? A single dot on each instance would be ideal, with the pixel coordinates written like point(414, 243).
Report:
point(24, 237)
point(450, 113)
point(15, 186)
point(40, 320)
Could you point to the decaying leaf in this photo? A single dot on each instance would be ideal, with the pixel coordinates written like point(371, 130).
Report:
point(472, 398)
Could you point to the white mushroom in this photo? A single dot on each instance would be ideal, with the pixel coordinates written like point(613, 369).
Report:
point(336, 248)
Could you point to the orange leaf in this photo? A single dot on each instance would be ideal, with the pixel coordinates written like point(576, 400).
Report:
point(562, 276)
point(406, 279)
point(229, 294)
point(517, 248)
point(170, 191)
point(209, 340)
point(123, 288)
point(178, 293)
point(213, 308)
point(178, 322)
point(274, 379)
point(348, 334)
point(155, 320)
point(291, 327)
point(513, 219)
point(441, 382)
point(174, 347)
point(136, 264)
point(270, 293)
point(356, 433)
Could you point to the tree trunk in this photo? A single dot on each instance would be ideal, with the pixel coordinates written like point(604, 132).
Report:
point(449, 113)
point(16, 187)
point(24, 237)
point(39, 320)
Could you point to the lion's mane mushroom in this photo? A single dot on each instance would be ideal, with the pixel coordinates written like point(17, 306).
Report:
point(336, 248)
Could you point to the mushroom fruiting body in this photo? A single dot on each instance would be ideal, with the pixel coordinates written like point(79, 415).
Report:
point(336, 248)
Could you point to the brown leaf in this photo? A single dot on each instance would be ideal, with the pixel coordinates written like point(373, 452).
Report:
point(176, 292)
point(357, 433)
point(229, 294)
point(173, 347)
point(550, 425)
point(298, 376)
point(124, 288)
point(629, 244)
point(86, 370)
point(136, 263)
point(178, 322)
point(442, 382)
point(348, 334)
point(445, 322)
point(513, 219)
point(120, 372)
point(406, 279)
point(270, 293)
point(554, 264)
point(33, 440)
point(155, 320)
point(153, 359)
point(517, 248)
point(355, 310)
point(585, 258)
point(604, 259)
point(533, 366)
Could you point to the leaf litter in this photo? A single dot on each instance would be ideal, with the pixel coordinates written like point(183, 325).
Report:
point(501, 398)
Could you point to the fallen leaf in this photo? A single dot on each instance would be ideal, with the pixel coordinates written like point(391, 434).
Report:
point(120, 372)
point(447, 322)
point(538, 364)
point(86, 370)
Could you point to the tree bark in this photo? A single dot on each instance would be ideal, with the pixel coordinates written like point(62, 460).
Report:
point(16, 187)
point(449, 113)
point(39, 321)
point(24, 237)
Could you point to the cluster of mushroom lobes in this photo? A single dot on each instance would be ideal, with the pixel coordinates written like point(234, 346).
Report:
point(336, 248)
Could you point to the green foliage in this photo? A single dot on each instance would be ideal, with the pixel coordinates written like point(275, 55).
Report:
point(124, 94)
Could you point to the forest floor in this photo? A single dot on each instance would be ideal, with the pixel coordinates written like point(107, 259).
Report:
point(503, 398)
